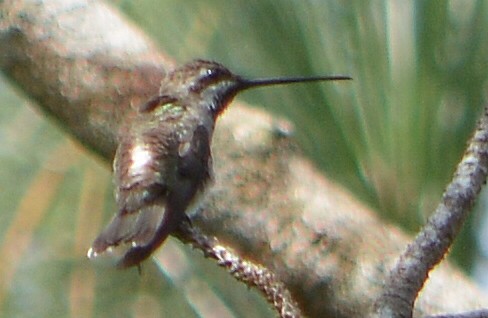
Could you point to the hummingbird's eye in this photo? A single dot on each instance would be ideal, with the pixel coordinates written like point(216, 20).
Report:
point(212, 74)
point(207, 78)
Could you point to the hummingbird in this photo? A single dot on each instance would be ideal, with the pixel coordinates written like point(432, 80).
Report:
point(163, 162)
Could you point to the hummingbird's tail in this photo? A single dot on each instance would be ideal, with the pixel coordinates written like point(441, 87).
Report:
point(130, 238)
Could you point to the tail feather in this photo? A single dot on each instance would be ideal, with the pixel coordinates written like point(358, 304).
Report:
point(132, 229)
point(118, 230)
point(149, 237)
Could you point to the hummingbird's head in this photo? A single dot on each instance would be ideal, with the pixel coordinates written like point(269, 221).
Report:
point(213, 86)
point(207, 83)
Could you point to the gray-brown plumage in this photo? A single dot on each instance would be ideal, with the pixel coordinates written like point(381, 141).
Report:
point(163, 160)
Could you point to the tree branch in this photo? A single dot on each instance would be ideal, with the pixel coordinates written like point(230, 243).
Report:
point(85, 66)
point(246, 272)
point(432, 243)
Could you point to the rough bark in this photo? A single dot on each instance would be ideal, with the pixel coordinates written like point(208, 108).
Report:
point(85, 66)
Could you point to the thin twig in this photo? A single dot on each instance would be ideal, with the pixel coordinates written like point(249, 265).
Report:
point(431, 244)
point(251, 274)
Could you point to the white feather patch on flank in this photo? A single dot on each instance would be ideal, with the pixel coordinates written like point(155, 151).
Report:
point(140, 157)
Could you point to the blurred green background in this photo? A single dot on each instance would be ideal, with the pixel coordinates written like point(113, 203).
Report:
point(393, 137)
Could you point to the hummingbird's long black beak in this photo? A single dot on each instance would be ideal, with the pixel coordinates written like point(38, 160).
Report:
point(251, 83)
point(239, 84)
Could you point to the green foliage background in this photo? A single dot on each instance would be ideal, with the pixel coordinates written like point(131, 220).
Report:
point(392, 136)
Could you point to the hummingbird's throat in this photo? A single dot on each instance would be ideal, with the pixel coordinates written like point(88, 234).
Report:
point(219, 95)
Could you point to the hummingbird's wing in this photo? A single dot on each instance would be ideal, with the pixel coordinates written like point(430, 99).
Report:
point(157, 180)
point(144, 165)
point(193, 171)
